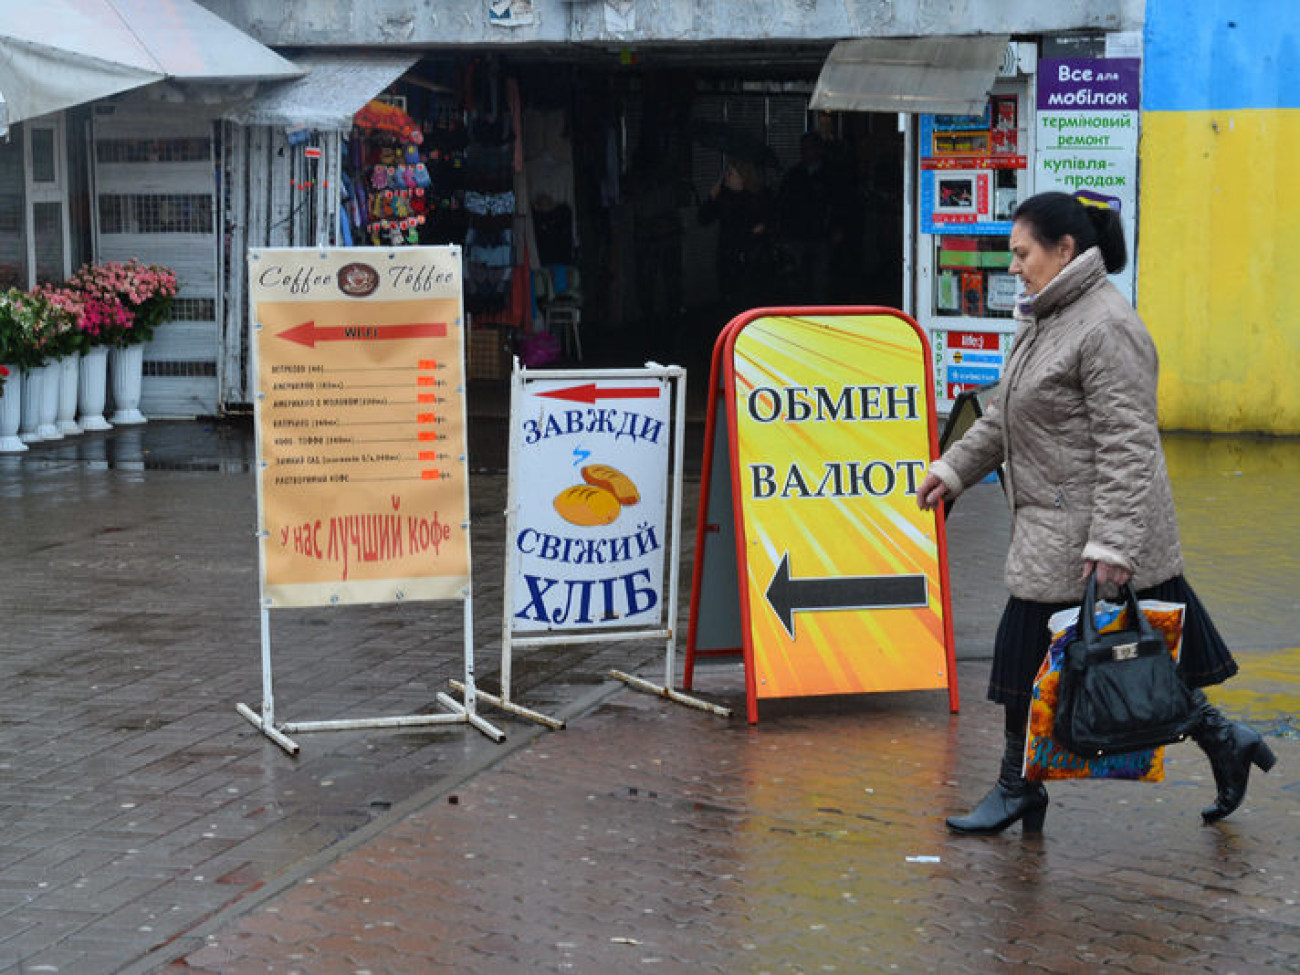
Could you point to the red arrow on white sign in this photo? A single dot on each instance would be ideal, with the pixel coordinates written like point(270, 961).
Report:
point(309, 333)
point(590, 392)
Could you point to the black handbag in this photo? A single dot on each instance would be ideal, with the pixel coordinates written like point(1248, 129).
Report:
point(1120, 691)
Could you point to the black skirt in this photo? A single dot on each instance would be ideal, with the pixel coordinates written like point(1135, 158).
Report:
point(1023, 639)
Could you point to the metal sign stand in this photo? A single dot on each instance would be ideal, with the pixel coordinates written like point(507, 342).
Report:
point(457, 713)
point(425, 277)
point(675, 376)
point(857, 582)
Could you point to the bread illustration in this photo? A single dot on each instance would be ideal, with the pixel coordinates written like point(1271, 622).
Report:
point(612, 480)
point(586, 504)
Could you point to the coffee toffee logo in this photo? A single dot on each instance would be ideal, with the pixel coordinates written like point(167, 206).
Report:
point(358, 280)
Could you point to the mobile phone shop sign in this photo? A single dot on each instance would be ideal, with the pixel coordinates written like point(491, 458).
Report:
point(1088, 136)
point(360, 425)
point(590, 484)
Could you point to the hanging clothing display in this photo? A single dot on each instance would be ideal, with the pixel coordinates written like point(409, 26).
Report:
point(453, 169)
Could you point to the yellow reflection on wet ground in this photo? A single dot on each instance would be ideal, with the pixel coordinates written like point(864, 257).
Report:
point(1266, 691)
point(1240, 527)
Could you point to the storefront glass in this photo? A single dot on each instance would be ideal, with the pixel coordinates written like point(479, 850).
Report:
point(13, 226)
point(44, 162)
point(47, 227)
point(972, 277)
point(972, 170)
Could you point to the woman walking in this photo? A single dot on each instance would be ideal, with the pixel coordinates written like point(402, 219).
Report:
point(1075, 428)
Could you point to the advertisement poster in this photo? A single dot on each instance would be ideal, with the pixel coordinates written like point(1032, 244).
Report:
point(363, 495)
point(842, 571)
point(966, 360)
point(510, 13)
point(589, 490)
point(968, 169)
point(1088, 136)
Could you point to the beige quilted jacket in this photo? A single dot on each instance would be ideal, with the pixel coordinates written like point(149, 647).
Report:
point(1075, 425)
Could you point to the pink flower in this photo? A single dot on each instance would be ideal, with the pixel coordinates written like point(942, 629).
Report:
point(123, 301)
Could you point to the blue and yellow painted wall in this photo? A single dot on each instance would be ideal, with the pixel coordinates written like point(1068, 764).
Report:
point(1219, 227)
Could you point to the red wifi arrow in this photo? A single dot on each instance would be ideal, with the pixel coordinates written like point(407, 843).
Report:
point(590, 392)
point(309, 333)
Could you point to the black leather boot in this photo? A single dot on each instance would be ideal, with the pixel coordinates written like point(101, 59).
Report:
point(1012, 798)
point(1232, 747)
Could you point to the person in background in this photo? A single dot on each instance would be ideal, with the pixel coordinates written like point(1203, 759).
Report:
point(1075, 427)
point(741, 206)
point(651, 188)
point(809, 201)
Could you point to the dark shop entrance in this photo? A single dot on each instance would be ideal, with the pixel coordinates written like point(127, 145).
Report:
point(649, 196)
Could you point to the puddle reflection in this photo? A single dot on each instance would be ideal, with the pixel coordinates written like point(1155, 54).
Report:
point(223, 447)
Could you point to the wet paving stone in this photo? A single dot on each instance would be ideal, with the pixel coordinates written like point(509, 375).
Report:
point(146, 826)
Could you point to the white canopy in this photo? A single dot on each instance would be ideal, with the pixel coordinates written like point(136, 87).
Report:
point(333, 88)
point(61, 53)
point(946, 75)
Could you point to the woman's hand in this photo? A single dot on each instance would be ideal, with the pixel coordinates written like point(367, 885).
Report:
point(931, 493)
point(1106, 572)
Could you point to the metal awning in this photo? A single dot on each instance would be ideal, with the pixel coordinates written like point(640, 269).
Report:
point(334, 88)
point(948, 75)
point(62, 53)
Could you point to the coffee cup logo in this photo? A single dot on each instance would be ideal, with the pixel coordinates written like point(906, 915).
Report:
point(358, 280)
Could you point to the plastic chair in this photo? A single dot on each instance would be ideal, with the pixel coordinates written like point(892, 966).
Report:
point(560, 299)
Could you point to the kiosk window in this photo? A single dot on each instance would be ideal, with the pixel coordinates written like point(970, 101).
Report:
point(972, 276)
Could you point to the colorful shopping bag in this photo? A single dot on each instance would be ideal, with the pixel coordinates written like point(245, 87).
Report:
point(1044, 758)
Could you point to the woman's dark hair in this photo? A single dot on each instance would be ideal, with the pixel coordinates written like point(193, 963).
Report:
point(1051, 216)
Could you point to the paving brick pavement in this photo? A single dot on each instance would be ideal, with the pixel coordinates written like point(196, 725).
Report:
point(145, 825)
point(649, 837)
point(134, 802)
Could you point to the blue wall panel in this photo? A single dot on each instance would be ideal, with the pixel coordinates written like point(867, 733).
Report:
point(1204, 55)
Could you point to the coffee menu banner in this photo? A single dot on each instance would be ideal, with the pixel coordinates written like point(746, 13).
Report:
point(362, 487)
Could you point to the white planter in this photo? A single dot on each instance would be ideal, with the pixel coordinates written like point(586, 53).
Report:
point(49, 429)
point(11, 413)
point(92, 392)
point(69, 378)
point(126, 368)
point(33, 392)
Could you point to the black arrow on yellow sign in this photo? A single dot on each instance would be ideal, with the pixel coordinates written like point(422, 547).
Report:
point(788, 596)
